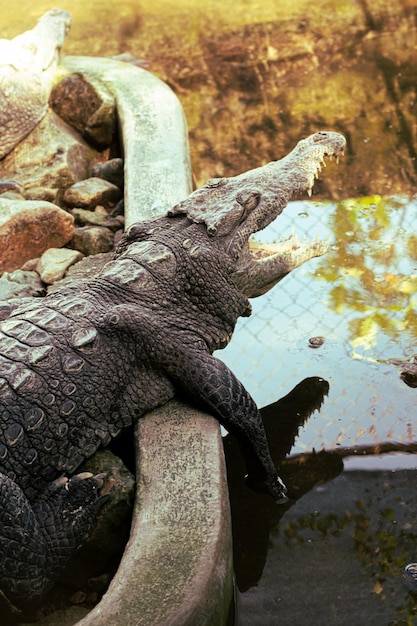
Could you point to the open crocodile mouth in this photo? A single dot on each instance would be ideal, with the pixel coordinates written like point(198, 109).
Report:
point(259, 250)
point(270, 262)
point(233, 209)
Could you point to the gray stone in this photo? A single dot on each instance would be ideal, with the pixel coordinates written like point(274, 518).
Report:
point(54, 262)
point(89, 193)
point(87, 106)
point(111, 170)
point(28, 228)
point(41, 193)
point(53, 155)
point(12, 195)
point(83, 217)
point(20, 284)
point(30, 266)
point(93, 239)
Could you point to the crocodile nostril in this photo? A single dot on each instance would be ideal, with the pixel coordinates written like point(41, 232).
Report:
point(320, 135)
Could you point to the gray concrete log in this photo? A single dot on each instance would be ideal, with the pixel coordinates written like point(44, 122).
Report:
point(177, 568)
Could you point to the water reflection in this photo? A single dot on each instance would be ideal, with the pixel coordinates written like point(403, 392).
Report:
point(345, 542)
point(360, 298)
point(282, 420)
point(376, 258)
point(341, 552)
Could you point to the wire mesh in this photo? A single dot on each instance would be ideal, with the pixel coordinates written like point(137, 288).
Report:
point(360, 297)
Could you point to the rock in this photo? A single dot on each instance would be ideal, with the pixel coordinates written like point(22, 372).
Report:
point(87, 268)
point(53, 156)
point(316, 342)
point(87, 106)
point(119, 209)
point(91, 192)
point(30, 266)
point(20, 284)
point(28, 228)
point(12, 195)
point(111, 170)
point(54, 262)
point(92, 240)
point(127, 57)
point(97, 219)
point(117, 236)
point(27, 67)
point(10, 185)
point(41, 193)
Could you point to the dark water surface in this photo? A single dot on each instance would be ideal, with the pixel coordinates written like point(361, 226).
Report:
point(337, 555)
point(254, 78)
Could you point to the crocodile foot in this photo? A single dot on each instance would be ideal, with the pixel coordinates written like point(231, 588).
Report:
point(38, 539)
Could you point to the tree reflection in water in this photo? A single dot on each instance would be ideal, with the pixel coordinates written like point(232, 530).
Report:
point(360, 298)
point(373, 267)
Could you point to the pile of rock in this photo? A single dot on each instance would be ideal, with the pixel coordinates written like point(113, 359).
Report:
point(61, 200)
point(58, 190)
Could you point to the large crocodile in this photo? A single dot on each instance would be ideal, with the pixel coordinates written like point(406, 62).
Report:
point(81, 365)
point(27, 67)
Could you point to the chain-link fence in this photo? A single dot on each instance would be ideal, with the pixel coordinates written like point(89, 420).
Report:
point(360, 297)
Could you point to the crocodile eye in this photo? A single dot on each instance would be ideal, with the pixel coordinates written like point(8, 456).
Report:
point(248, 199)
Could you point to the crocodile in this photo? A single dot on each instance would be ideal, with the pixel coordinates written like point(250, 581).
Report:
point(80, 366)
point(27, 67)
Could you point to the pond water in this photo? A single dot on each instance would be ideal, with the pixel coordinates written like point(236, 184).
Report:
point(360, 298)
point(336, 556)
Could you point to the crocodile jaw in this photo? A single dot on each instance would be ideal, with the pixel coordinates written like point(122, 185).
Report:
point(262, 266)
point(279, 181)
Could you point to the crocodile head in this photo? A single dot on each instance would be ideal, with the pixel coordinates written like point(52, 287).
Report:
point(232, 209)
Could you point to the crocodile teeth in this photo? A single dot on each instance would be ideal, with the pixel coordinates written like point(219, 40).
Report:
point(309, 191)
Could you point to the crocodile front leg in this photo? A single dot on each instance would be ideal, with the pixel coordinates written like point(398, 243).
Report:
point(211, 384)
point(8, 306)
point(38, 539)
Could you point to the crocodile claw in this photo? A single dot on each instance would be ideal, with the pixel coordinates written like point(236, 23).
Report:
point(273, 487)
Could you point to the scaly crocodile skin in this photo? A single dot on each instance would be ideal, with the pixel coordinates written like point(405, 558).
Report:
point(82, 364)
